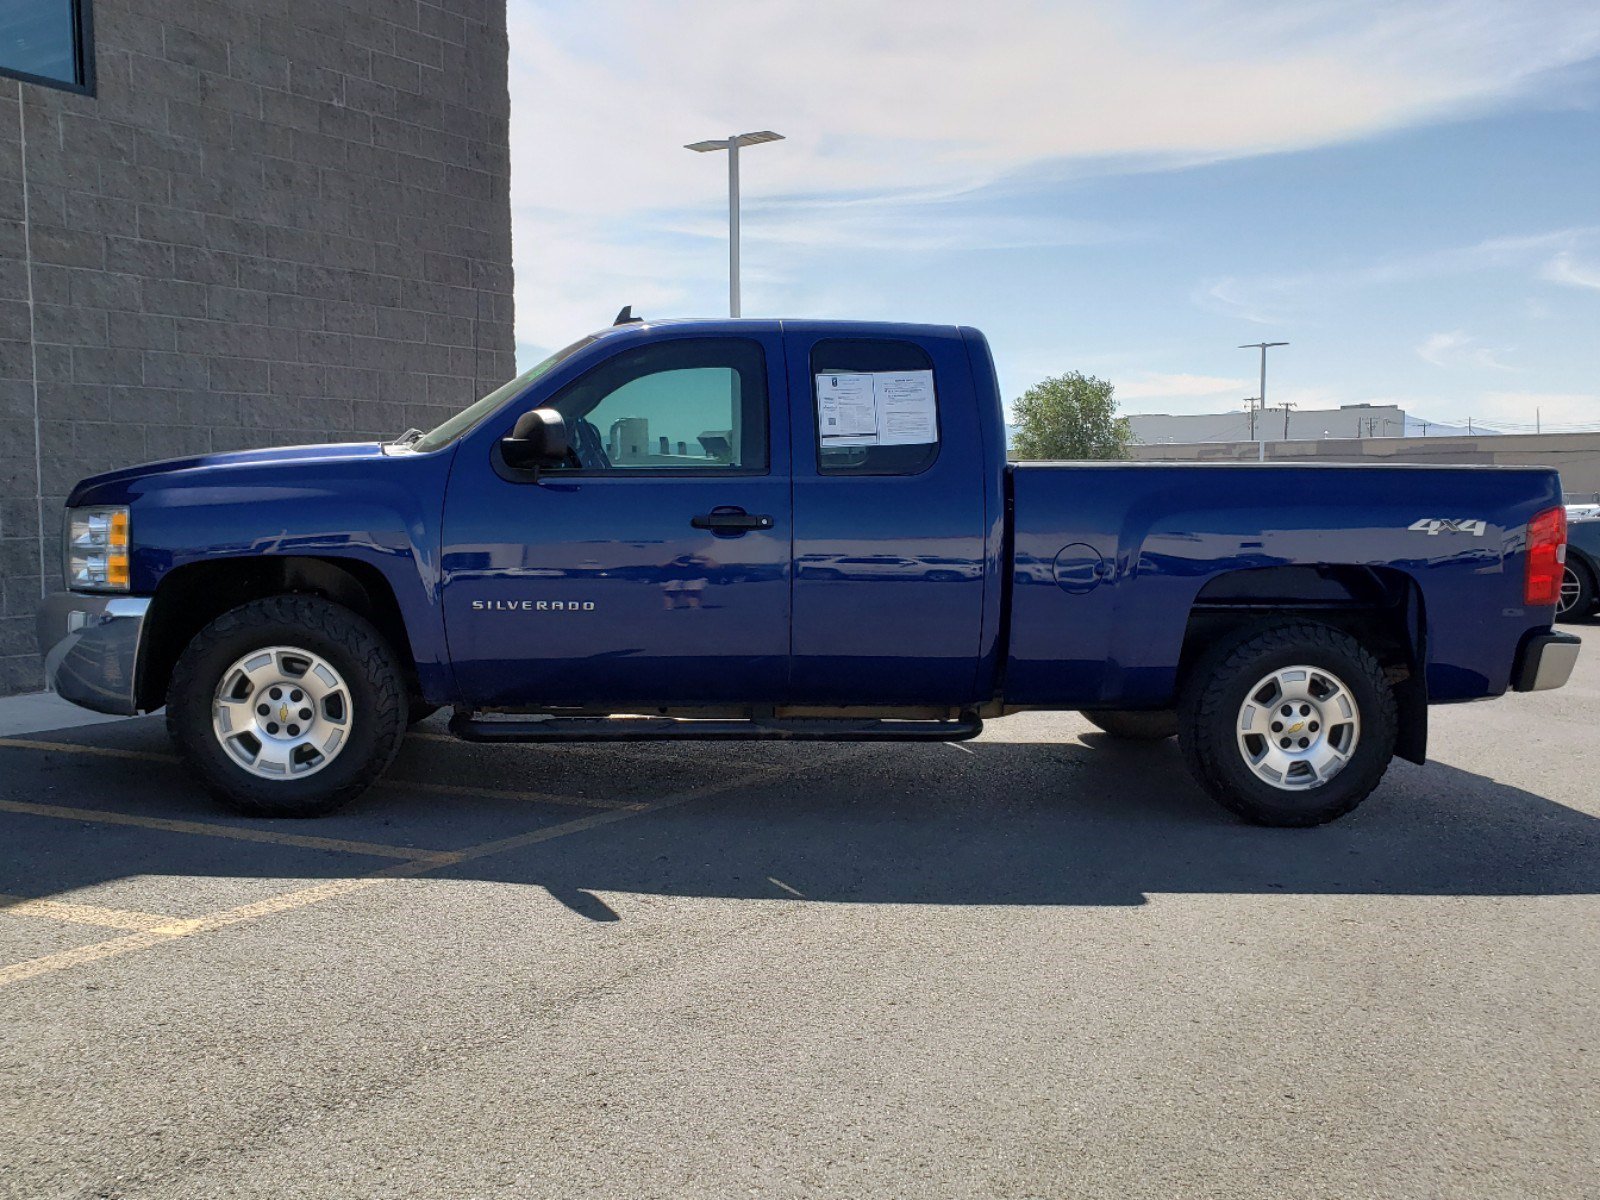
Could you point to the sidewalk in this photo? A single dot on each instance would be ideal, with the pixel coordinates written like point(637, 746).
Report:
point(38, 711)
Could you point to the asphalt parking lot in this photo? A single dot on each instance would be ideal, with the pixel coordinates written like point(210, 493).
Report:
point(1039, 964)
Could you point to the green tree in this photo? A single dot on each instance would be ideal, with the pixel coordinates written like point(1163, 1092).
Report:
point(1070, 416)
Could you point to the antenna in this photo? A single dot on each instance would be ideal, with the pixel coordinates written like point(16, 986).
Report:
point(626, 317)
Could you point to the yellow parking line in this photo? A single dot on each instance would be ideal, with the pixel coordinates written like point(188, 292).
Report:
point(533, 838)
point(450, 789)
point(75, 748)
point(173, 930)
point(82, 914)
point(461, 789)
point(316, 894)
point(205, 829)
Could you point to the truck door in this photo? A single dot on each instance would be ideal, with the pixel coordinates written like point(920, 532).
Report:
point(890, 519)
point(653, 569)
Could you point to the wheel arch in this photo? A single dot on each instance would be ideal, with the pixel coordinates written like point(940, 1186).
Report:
point(1380, 606)
point(193, 595)
point(1585, 561)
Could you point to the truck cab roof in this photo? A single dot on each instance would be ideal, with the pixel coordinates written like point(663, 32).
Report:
point(733, 326)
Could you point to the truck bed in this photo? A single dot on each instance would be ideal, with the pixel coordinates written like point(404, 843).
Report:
point(1109, 560)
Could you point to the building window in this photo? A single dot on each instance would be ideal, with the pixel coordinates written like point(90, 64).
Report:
point(48, 42)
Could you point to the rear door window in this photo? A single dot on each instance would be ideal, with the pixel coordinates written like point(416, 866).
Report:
point(876, 407)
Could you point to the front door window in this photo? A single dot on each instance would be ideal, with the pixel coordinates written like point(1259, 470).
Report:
point(687, 405)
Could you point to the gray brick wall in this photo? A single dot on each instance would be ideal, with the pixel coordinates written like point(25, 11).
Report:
point(277, 221)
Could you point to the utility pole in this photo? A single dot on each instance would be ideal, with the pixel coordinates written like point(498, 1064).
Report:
point(1469, 425)
point(1250, 410)
point(1286, 407)
point(1261, 397)
point(731, 145)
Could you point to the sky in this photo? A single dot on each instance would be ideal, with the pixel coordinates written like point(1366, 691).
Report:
point(1406, 191)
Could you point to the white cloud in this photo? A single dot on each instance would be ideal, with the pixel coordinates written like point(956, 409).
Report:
point(1456, 349)
point(904, 106)
point(1563, 268)
point(1437, 347)
point(1276, 299)
point(1263, 301)
point(1153, 385)
point(1521, 411)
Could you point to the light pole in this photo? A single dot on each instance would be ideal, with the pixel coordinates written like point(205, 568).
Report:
point(1261, 398)
point(731, 145)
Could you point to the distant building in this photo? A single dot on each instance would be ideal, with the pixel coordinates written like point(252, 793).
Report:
point(1346, 421)
point(1575, 455)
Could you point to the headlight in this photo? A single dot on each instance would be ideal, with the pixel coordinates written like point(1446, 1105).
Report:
point(97, 549)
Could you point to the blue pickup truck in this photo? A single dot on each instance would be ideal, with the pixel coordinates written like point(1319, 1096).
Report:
point(793, 530)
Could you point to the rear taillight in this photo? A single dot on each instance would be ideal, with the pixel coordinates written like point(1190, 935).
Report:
point(1547, 551)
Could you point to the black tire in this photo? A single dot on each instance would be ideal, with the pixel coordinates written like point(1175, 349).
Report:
point(348, 642)
point(1146, 726)
point(1576, 605)
point(1216, 691)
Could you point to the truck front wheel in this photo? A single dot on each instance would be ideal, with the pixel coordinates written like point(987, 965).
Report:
point(287, 707)
point(1289, 725)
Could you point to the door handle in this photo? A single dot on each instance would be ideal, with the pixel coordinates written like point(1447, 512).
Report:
point(735, 521)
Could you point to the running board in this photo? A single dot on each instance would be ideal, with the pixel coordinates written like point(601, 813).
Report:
point(656, 729)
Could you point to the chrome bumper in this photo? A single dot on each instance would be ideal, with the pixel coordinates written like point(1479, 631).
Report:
point(1546, 662)
point(91, 649)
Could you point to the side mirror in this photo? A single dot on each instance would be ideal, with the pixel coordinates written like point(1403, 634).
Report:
point(538, 439)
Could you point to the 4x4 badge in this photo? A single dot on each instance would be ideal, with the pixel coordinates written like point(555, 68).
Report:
point(1436, 525)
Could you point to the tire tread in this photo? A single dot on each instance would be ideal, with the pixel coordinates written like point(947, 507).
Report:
point(1205, 704)
point(189, 698)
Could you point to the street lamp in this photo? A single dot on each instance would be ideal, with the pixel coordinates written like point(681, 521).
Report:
point(731, 145)
point(1261, 398)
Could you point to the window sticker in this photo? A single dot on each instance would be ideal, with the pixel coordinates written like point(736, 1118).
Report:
point(879, 408)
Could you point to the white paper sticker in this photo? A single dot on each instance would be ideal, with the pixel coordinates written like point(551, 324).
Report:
point(847, 411)
point(905, 408)
point(884, 408)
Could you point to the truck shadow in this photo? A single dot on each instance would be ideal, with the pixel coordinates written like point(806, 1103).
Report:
point(1119, 825)
point(1080, 822)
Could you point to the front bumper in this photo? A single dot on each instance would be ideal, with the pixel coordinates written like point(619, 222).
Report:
point(1546, 661)
point(91, 648)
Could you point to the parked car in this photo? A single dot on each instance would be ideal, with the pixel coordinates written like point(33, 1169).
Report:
point(1580, 583)
point(857, 561)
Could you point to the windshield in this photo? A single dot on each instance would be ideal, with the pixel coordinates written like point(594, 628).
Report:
point(470, 416)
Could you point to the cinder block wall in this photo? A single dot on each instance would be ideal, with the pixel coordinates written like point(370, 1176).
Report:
point(276, 221)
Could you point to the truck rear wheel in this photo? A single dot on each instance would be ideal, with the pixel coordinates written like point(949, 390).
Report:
point(1289, 725)
point(287, 707)
point(1135, 726)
